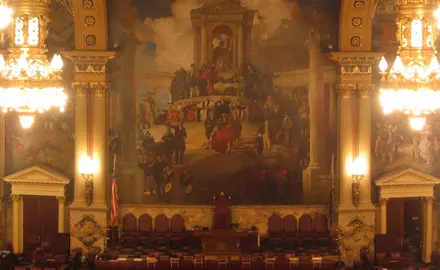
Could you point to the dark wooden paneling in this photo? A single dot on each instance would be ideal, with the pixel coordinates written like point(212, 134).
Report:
point(412, 216)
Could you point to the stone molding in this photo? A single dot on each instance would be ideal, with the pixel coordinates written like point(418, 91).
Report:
point(355, 63)
point(90, 62)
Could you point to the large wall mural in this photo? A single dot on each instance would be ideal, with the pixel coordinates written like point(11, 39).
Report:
point(218, 123)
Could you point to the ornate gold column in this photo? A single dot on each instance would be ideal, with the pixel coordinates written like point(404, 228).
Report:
point(81, 138)
point(383, 216)
point(2, 184)
point(428, 230)
point(345, 142)
point(355, 71)
point(333, 108)
point(61, 214)
point(364, 127)
point(16, 201)
point(99, 91)
point(90, 77)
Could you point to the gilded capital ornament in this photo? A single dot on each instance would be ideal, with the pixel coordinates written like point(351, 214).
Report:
point(81, 88)
point(346, 90)
point(383, 202)
point(16, 198)
point(365, 90)
point(429, 199)
point(100, 89)
point(61, 200)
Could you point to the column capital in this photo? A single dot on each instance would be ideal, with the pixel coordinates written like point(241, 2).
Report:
point(80, 88)
point(429, 199)
point(346, 90)
point(89, 66)
point(383, 201)
point(365, 90)
point(16, 198)
point(100, 89)
point(356, 63)
point(61, 200)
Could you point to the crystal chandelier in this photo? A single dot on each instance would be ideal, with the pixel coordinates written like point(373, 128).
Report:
point(412, 84)
point(29, 83)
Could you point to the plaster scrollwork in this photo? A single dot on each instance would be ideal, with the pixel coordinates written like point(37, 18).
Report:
point(365, 90)
point(346, 90)
point(100, 89)
point(81, 88)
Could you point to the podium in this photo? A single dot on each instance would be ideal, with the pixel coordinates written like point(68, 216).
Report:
point(221, 242)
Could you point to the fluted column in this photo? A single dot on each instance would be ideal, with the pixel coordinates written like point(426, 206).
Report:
point(61, 214)
point(428, 230)
point(100, 142)
point(16, 200)
point(333, 107)
point(240, 52)
point(81, 137)
point(345, 151)
point(383, 216)
point(2, 174)
point(364, 136)
point(204, 45)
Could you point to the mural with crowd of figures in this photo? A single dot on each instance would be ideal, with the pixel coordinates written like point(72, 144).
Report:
point(220, 125)
point(50, 141)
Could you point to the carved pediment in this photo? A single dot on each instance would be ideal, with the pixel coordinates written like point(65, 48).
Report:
point(223, 6)
point(407, 177)
point(38, 174)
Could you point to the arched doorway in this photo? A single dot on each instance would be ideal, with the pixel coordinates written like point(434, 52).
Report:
point(38, 205)
point(409, 185)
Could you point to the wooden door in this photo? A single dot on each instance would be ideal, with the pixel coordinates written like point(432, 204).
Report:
point(40, 218)
point(395, 218)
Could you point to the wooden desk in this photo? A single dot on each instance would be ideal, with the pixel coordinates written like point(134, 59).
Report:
point(221, 242)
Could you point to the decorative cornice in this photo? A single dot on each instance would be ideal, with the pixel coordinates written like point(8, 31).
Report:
point(355, 63)
point(90, 62)
point(346, 90)
point(80, 89)
point(100, 89)
point(365, 90)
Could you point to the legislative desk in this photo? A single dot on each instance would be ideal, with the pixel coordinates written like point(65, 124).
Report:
point(227, 241)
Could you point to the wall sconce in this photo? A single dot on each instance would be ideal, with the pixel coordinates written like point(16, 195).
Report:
point(87, 168)
point(358, 170)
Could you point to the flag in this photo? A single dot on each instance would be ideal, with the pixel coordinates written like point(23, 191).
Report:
point(332, 191)
point(115, 202)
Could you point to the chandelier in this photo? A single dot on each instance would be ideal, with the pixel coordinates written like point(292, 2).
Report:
point(412, 84)
point(29, 83)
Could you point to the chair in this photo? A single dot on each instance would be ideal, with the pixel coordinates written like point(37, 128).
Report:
point(317, 262)
point(269, 261)
point(151, 261)
point(198, 260)
point(293, 262)
point(246, 261)
point(223, 261)
point(174, 261)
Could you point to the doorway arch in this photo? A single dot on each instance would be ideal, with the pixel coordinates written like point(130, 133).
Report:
point(410, 183)
point(37, 180)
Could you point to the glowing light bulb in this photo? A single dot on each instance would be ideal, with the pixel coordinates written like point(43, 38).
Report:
point(434, 66)
point(2, 62)
point(417, 123)
point(437, 16)
point(383, 65)
point(5, 15)
point(26, 120)
point(22, 61)
point(57, 63)
point(398, 65)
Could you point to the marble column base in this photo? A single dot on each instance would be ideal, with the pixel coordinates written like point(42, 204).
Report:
point(88, 225)
point(357, 228)
point(316, 186)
